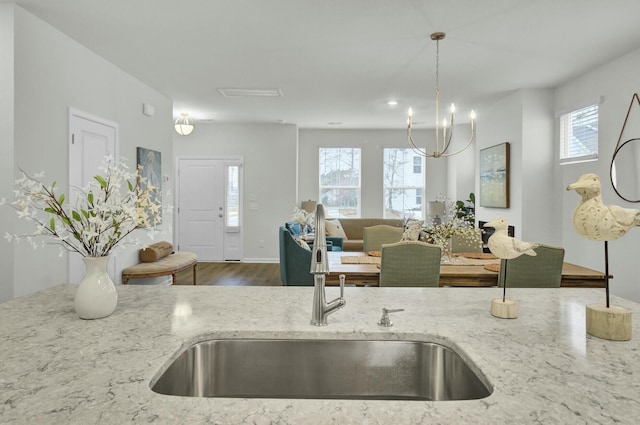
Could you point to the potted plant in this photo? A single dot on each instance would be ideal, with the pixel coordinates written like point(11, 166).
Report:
point(466, 210)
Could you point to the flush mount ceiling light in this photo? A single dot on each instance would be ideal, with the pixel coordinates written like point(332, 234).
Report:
point(446, 141)
point(184, 125)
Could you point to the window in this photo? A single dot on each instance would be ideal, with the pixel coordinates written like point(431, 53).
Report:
point(340, 181)
point(232, 196)
point(417, 164)
point(579, 135)
point(403, 183)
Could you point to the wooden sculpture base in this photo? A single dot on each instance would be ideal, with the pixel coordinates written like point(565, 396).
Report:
point(613, 323)
point(506, 309)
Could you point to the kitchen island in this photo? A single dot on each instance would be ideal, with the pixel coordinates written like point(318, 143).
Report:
point(58, 369)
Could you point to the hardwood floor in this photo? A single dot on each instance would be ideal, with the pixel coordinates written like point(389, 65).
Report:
point(232, 274)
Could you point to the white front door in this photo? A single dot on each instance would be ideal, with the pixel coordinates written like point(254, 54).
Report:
point(90, 140)
point(201, 208)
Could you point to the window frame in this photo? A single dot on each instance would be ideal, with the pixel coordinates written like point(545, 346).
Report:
point(408, 174)
point(232, 202)
point(566, 124)
point(358, 188)
point(420, 166)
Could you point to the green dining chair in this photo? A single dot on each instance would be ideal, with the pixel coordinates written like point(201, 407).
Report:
point(410, 263)
point(374, 236)
point(541, 271)
point(461, 244)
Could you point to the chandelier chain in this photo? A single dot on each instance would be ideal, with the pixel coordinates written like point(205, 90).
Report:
point(437, 65)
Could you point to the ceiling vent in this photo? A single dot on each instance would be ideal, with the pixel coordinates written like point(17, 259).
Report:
point(250, 92)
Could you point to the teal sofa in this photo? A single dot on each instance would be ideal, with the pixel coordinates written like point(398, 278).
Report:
point(295, 261)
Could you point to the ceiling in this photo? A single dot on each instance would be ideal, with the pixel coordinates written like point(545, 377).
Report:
point(338, 62)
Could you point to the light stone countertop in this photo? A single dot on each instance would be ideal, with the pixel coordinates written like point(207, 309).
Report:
point(58, 369)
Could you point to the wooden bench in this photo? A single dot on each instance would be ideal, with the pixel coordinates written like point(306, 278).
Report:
point(169, 265)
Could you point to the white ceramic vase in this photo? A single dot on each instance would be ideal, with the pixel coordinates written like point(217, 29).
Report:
point(96, 296)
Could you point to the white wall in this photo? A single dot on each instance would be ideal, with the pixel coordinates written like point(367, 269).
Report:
point(6, 144)
point(372, 143)
point(541, 208)
point(269, 175)
point(52, 74)
point(616, 81)
point(43, 73)
point(281, 170)
point(499, 122)
point(524, 118)
point(461, 168)
point(540, 190)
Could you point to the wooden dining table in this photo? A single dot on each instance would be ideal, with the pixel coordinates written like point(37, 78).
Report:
point(365, 271)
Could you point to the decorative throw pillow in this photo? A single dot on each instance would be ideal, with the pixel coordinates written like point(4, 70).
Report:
point(409, 222)
point(334, 228)
point(293, 227)
point(155, 252)
point(411, 230)
point(303, 244)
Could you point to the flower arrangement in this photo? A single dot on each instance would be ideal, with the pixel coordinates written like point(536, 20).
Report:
point(441, 233)
point(305, 219)
point(106, 211)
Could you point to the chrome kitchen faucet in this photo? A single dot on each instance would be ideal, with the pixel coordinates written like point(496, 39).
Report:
point(319, 269)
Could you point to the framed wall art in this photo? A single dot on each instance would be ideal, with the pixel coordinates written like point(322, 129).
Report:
point(494, 176)
point(150, 178)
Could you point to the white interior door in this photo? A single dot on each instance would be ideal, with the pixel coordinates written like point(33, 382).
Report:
point(201, 208)
point(90, 140)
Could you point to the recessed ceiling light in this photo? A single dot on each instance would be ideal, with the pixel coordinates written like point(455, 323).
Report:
point(334, 123)
point(392, 103)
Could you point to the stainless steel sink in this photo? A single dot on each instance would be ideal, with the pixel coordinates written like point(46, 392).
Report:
point(321, 369)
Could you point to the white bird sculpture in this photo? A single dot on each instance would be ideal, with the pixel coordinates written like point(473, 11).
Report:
point(596, 221)
point(504, 246)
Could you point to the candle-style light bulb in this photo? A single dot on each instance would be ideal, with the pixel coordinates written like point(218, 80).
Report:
point(473, 120)
point(453, 108)
point(410, 112)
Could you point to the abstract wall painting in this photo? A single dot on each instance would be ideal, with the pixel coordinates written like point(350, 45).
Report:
point(494, 176)
point(150, 178)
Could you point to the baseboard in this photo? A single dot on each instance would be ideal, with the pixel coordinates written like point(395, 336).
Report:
point(261, 260)
point(246, 260)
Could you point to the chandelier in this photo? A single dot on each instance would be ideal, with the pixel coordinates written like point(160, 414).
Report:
point(441, 151)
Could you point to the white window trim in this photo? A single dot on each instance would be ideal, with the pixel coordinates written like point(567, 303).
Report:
point(561, 142)
point(422, 186)
point(358, 187)
point(575, 106)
